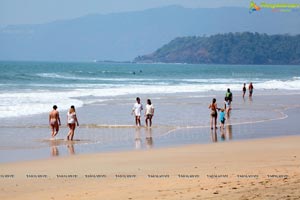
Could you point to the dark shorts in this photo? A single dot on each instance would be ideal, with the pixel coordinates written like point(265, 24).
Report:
point(149, 116)
point(223, 121)
point(214, 113)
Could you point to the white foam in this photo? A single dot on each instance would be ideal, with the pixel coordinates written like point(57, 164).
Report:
point(22, 104)
point(13, 104)
point(279, 84)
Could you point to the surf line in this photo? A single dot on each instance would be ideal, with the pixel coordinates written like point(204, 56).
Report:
point(283, 116)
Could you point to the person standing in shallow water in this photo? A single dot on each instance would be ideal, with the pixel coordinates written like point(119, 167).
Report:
point(54, 121)
point(227, 107)
point(229, 96)
point(149, 113)
point(214, 114)
point(244, 90)
point(72, 121)
point(250, 89)
point(136, 110)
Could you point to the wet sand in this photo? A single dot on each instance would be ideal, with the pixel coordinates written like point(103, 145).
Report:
point(253, 169)
point(180, 119)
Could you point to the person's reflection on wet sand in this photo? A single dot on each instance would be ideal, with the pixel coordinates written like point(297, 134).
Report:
point(138, 140)
point(222, 130)
point(213, 134)
point(229, 131)
point(228, 128)
point(71, 149)
point(149, 139)
point(54, 151)
point(53, 147)
point(250, 100)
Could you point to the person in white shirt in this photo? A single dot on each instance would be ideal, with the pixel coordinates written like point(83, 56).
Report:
point(149, 112)
point(72, 121)
point(136, 110)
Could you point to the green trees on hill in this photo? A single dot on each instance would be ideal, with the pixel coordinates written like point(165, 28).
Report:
point(231, 48)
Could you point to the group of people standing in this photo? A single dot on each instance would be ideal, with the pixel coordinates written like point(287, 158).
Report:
point(250, 88)
point(54, 121)
point(72, 121)
point(214, 110)
point(137, 111)
point(225, 111)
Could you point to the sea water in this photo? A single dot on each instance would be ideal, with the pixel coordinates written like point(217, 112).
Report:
point(104, 93)
point(28, 88)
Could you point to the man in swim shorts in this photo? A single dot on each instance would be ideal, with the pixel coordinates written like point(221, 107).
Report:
point(54, 121)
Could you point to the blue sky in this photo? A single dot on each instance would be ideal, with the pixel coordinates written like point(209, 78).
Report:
point(41, 11)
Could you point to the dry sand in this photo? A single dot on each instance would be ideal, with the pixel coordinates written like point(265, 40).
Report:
point(255, 169)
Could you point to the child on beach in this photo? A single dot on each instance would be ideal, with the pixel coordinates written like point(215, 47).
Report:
point(149, 112)
point(222, 118)
point(137, 109)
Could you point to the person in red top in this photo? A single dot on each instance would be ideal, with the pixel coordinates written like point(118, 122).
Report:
point(250, 89)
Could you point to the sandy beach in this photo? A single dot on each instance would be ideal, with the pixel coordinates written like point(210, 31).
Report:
point(256, 156)
point(253, 169)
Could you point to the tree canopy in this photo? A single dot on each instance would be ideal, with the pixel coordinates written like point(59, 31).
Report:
point(230, 48)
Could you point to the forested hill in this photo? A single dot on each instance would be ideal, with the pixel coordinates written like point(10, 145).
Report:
point(231, 48)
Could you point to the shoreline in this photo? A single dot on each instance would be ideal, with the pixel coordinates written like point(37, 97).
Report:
point(253, 169)
point(154, 150)
point(258, 93)
point(94, 137)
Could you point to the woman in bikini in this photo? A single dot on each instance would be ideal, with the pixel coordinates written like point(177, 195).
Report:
point(214, 114)
point(54, 121)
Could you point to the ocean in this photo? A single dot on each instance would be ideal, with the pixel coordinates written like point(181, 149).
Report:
point(104, 93)
point(28, 88)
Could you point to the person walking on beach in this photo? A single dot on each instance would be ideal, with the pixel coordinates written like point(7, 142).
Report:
point(214, 114)
point(72, 121)
point(136, 110)
point(227, 106)
point(54, 121)
point(229, 96)
point(250, 89)
point(244, 90)
point(149, 112)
